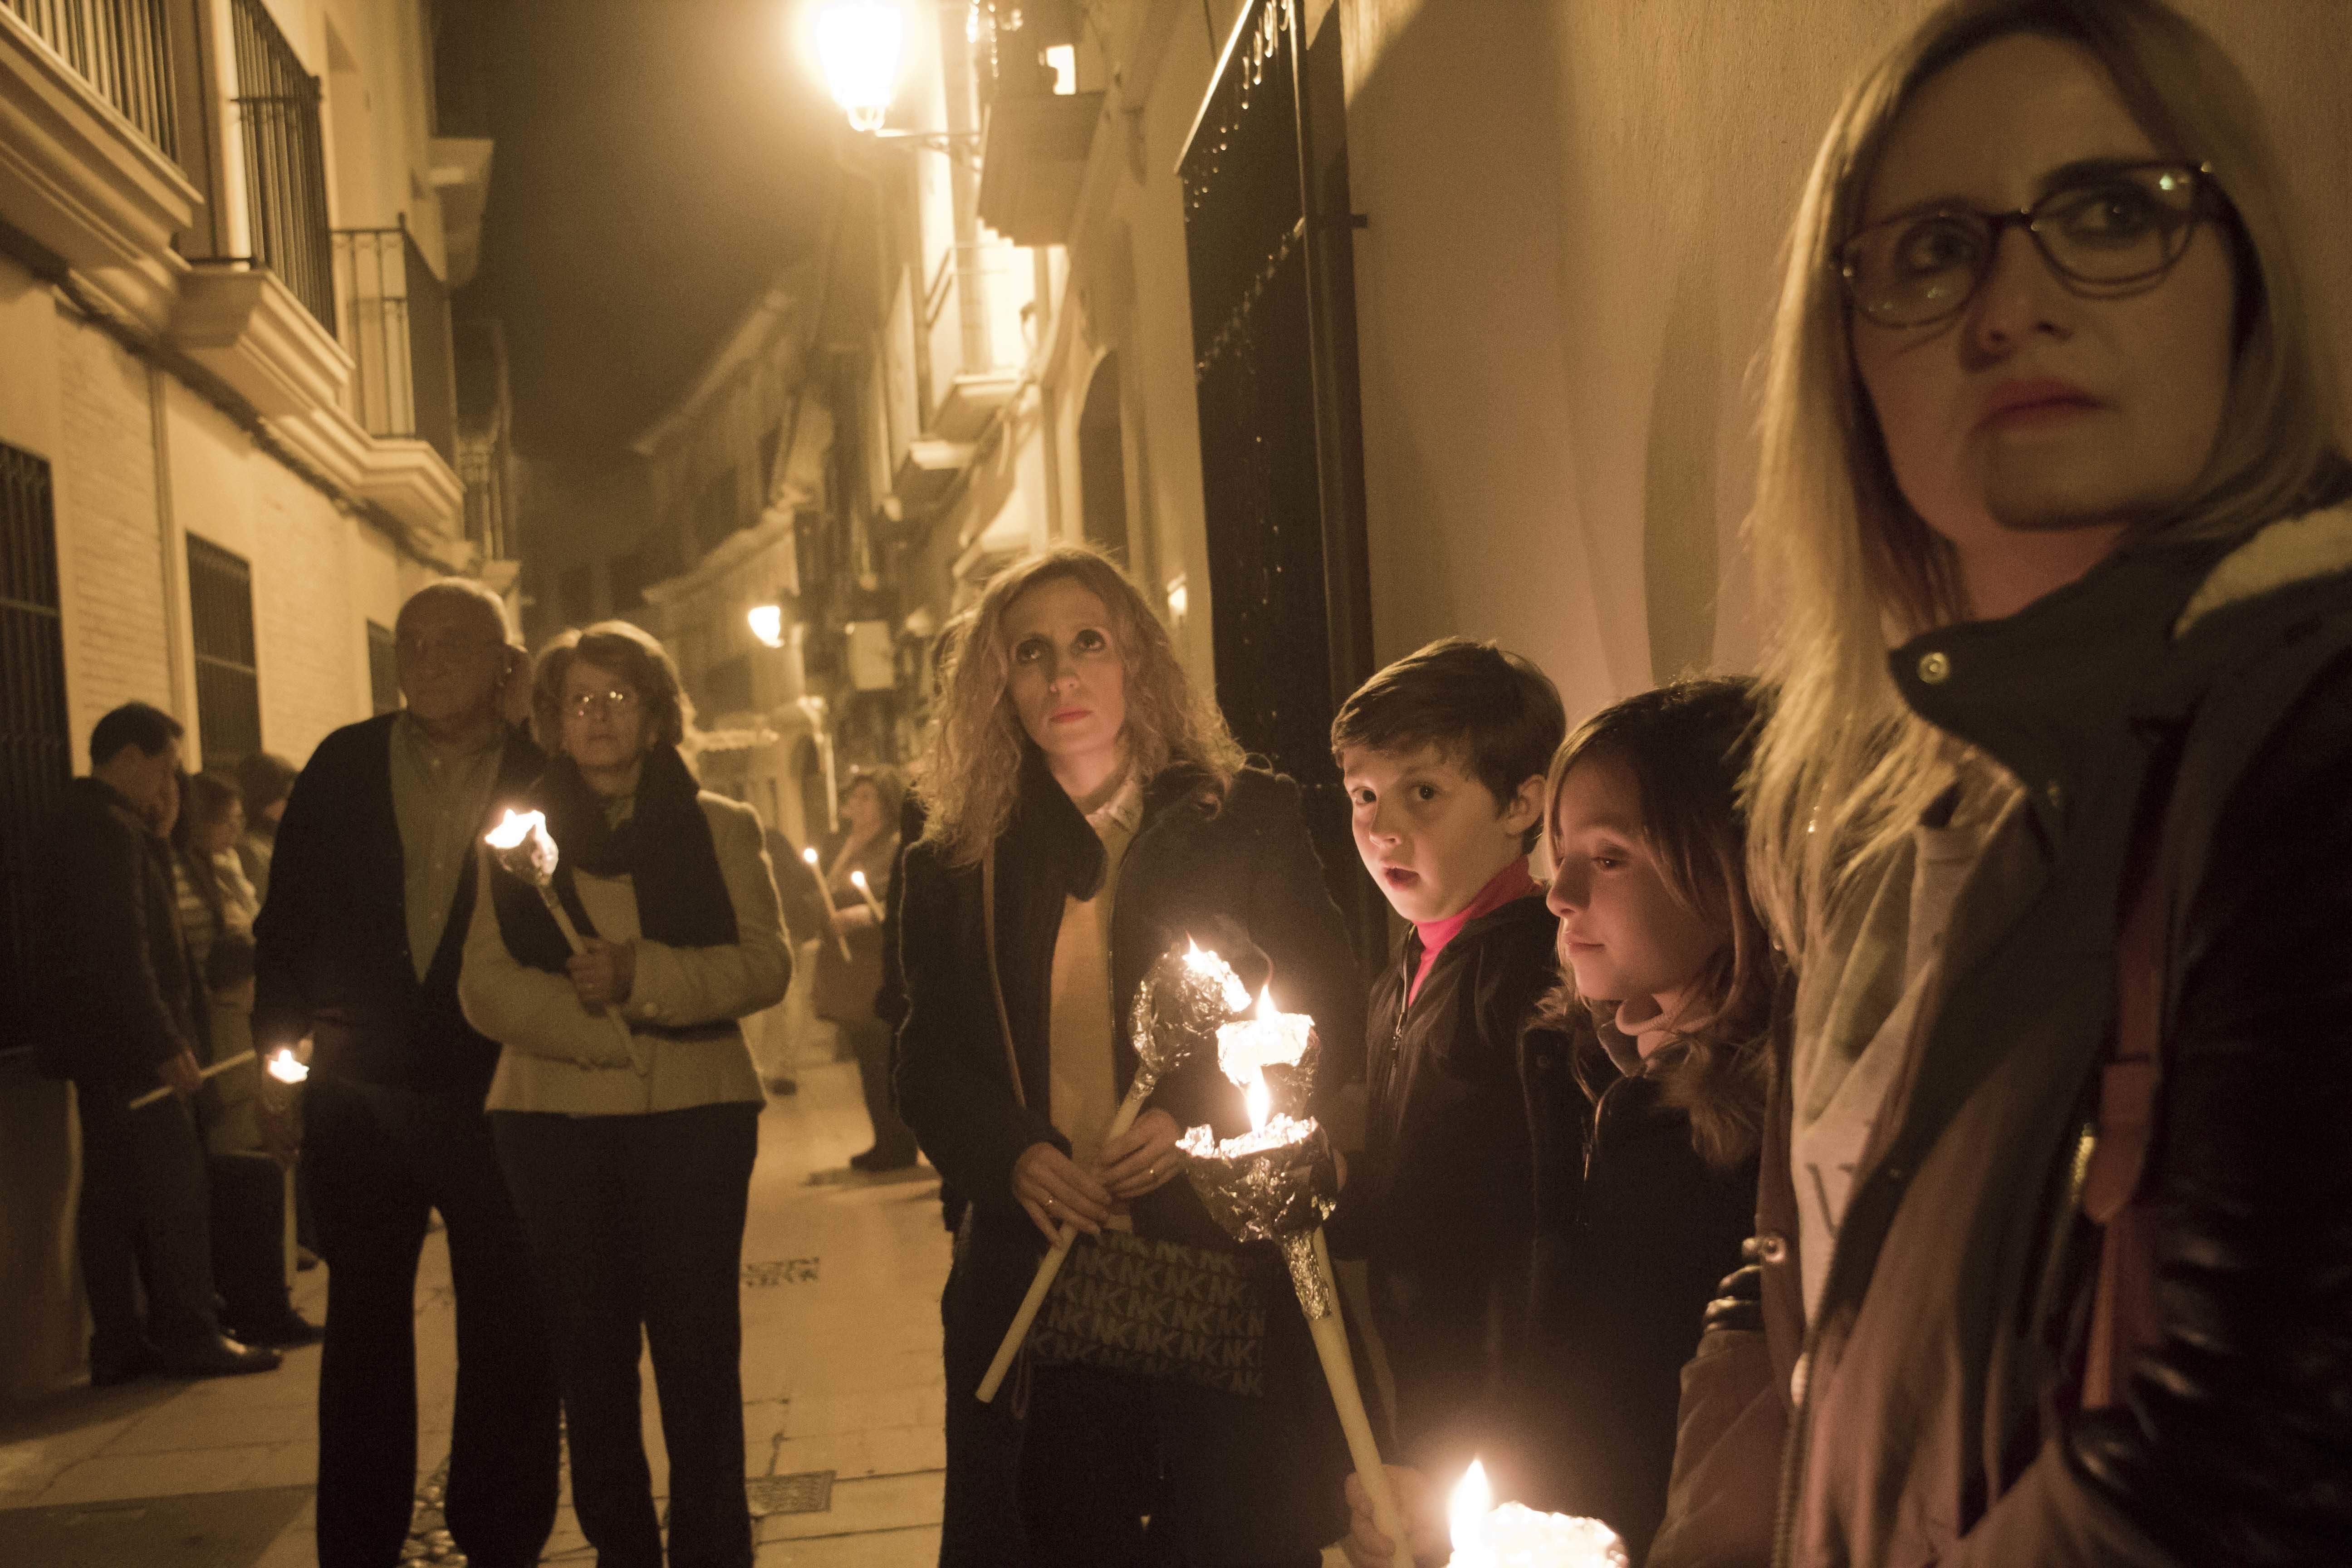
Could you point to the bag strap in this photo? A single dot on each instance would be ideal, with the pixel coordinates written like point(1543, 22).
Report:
point(996, 981)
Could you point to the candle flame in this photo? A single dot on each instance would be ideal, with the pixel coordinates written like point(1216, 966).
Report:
point(1266, 1007)
point(1201, 960)
point(286, 1067)
point(1465, 1515)
point(516, 826)
point(809, 855)
point(1261, 1102)
point(858, 877)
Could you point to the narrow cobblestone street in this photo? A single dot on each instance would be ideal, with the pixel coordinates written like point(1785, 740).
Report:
point(841, 1383)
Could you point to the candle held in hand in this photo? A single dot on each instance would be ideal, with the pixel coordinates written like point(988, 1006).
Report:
point(286, 1067)
point(1511, 1536)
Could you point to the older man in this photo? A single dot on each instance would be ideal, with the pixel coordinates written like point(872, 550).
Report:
point(371, 886)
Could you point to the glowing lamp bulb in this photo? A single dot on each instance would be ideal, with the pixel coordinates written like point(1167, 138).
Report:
point(1465, 1516)
point(858, 42)
point(286, 1067)
point(516, 826)
point(1261, 1102)
point(768, 624)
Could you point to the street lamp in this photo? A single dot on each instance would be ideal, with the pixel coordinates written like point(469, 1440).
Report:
point(858, 42)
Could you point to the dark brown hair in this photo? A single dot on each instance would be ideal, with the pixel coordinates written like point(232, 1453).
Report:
point(205, 799)
point(1687, 746)
point(1477, 703)
point(630, 652)
point(264, 778)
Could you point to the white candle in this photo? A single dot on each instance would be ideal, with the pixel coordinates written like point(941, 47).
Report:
point(1514, 1537)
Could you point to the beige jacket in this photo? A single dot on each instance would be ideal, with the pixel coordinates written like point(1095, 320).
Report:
point(559, 1057)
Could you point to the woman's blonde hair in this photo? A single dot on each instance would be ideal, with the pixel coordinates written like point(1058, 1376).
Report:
point(1686, 746)
point(969, 777)
point(1845, 768)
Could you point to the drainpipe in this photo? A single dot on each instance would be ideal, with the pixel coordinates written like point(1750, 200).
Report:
point(176, 656)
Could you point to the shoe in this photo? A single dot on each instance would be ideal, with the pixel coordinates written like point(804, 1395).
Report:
point(223, 1358)
point(284, 1331)
point(877, 1159)
point(780, 1086)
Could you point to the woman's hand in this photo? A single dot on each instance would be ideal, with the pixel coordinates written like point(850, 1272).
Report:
point(855, 917)
point(605, 974)
point(1140, 1159)
point(1053, 1189)
point(1424, 1521)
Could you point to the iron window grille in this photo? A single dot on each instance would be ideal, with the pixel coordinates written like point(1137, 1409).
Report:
point(285, 160)
point(35, 738)
point(228, 684)
point(121, 47)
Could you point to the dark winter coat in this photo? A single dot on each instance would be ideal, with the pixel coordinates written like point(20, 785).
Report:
point(1438, 1203)
point(331, 955)
point(1632, 1232)
point(119, 996)
point(2197, 699)
point(1244, 873)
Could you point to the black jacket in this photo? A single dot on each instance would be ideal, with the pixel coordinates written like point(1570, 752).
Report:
point(119, 996)
point(1439, 1202)
point(1632, 1232)
point(1244, 874)
point(331, 943)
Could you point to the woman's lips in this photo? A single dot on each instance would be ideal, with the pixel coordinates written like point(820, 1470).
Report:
point(1068, 715)
point(2045, 400)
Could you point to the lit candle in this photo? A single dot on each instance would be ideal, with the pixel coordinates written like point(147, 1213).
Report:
point(286, 1067)
point(858, 881)
point(1511, 1536)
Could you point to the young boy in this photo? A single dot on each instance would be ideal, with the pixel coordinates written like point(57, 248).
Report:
point(1444, 754)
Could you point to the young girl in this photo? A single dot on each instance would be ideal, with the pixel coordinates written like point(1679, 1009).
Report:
point(1645, 1084)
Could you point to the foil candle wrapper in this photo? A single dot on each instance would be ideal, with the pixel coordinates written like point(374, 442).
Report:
point(1278, 1050)
point(523, 847)
point(1187, 995)
point(1276, 1182)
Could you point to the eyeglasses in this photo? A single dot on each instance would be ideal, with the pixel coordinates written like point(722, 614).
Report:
point(2107, 230)
point(618, 700)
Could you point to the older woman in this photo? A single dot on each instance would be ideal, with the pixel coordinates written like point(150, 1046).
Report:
point(1075, 776)
point(2053, 817)
point(632, 1185)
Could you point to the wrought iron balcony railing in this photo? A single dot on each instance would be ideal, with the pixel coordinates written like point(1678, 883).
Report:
point(285, 160)
point(121, 47)
point(396, 327)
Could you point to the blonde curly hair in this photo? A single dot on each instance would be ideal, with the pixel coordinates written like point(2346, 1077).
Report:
point(970, 776)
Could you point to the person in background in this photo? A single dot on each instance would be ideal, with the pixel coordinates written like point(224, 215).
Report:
point(263, 779)
point(847, 984)
point(632, 1185)
point(774, 1033)
point(1076, 771)
point(2050, 816)
point(372, 889)
point(250, 1144)
point(122, 1011)
point(1443, 756)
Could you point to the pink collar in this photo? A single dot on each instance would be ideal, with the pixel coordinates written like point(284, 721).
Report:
point(1512, 881)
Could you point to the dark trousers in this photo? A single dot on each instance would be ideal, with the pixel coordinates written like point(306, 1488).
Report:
point(870, 1038)
point(142, 1227)
point(248, 1229)
point(380, 1160)
point(636, 1224)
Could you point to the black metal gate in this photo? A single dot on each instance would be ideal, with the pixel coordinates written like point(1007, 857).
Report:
point(1266, 228)
point(36, 740)
point(228, 684)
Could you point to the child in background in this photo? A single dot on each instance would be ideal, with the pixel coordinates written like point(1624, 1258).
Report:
point(1443, 756)
point(1645, 1080)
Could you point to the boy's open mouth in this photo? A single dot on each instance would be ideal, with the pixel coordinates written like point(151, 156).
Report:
point(1398, 875)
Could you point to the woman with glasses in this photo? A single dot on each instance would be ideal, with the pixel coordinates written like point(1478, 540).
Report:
point(631, 1162)
point(2052, 818)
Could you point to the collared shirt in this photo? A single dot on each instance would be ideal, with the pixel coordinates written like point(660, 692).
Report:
point(1081, 1031)
point(439, 797)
